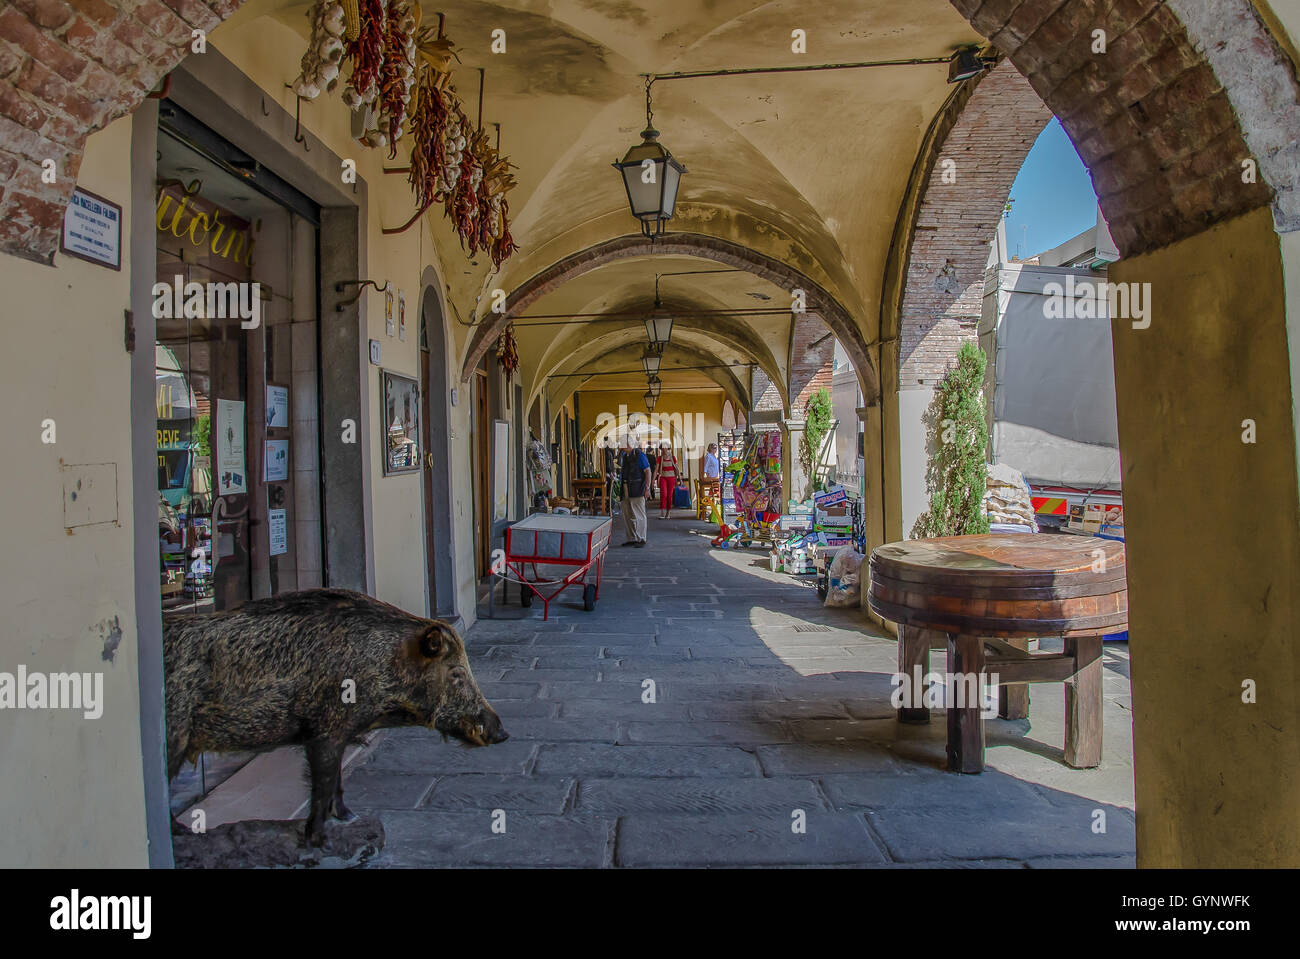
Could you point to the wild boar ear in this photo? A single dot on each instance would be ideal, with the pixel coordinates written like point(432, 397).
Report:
point(431, 645)
point(424, 645)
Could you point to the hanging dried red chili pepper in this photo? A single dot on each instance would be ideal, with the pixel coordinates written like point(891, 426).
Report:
point(508, 352)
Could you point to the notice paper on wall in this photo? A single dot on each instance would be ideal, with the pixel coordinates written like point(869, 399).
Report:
point(277, 460)
point(277, 522)
point(277, 406)
point(228, 436)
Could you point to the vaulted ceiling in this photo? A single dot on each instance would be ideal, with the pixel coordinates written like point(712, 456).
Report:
point(807, 168)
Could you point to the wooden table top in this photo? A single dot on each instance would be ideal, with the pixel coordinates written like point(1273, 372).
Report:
point(1002, 584)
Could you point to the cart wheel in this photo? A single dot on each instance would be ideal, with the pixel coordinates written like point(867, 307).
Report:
point(589, 597)
point(525, 595)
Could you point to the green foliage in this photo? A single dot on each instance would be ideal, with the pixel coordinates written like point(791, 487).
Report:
point(817, 415)
point(955, 477)
point(202, 434)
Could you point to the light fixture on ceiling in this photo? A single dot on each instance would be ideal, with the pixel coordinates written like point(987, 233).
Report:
point(650, 399)
point(651, 177)
point(965, 63)
point(659, 324)
point(651, 360)
point(655, 386)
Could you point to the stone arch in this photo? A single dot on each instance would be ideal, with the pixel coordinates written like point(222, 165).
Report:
point(628, 352)
point(65, 73)
point(733, 336)
point(819, 300)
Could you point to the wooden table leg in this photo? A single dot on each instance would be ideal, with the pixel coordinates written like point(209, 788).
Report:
point(1083, 703)
point(965, 722)
point(913, 652)
point(1013, 699)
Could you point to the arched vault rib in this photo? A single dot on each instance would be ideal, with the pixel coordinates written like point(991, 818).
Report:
point(559, 387)
point(588, 339)
point(818, 300)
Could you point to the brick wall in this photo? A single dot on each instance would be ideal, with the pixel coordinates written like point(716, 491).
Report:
point(68, 68)
point(812, 361)
point(957, 219)
point(766, 397)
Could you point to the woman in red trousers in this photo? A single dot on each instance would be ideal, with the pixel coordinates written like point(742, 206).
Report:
point(667, 479)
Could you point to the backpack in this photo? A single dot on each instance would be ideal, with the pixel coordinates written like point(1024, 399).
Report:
point(633, 477)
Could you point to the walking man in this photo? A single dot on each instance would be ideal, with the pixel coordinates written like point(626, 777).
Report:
point(634, 471)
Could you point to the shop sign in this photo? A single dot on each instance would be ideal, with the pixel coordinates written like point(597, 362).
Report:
point(92, 229)
point(205, 231)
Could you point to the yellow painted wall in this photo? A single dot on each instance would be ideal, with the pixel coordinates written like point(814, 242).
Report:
point(1213, 536)
point(683, 403)
point(73, 792)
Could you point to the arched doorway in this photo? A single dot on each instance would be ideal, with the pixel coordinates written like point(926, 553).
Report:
point(439, 532)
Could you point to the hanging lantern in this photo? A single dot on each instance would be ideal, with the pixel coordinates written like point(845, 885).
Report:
point(650, 360)
point(656, 386)
point(650, 401)
point(658, 327)
point(651, 177)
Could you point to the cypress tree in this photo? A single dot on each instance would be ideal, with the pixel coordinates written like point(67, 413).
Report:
point(958, 468)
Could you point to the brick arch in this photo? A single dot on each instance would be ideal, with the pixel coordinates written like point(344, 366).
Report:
point(1158, 119)
point(819, 301)
point(67, 69)
point(986, 133)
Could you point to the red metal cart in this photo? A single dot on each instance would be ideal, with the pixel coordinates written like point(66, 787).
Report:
point(550, 544)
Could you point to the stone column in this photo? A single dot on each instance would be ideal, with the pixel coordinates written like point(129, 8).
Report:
point(794, 483)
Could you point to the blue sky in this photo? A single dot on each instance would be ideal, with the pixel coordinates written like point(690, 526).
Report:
point(1053, 194)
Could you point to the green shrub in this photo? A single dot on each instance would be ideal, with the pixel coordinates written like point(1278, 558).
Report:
point(958, 468)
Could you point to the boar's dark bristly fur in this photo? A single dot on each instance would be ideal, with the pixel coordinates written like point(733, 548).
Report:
point(274, 672)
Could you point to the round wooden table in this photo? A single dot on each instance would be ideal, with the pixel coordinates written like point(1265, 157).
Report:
point(984, 598)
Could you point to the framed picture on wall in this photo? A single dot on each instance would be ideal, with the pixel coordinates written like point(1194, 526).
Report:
point(399, 398)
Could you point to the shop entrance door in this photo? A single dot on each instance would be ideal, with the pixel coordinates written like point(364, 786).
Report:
point(236, 361)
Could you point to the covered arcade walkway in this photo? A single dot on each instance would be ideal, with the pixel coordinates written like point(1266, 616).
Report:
point(766, 703)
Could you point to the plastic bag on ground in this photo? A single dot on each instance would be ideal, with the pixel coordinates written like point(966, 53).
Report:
point(843, 590)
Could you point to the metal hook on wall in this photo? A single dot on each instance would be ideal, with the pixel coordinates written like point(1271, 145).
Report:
point(297, 123)
point(297, 127)
point(361, 288)
point(387, 231)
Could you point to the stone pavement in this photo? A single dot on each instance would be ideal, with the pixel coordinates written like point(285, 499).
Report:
point(769, 710)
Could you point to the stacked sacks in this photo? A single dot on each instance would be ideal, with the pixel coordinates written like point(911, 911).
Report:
point(1006, 498)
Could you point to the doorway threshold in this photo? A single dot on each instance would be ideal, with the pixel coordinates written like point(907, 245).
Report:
point(273, 785)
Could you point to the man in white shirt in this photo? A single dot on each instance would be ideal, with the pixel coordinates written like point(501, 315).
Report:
point(712, 471)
